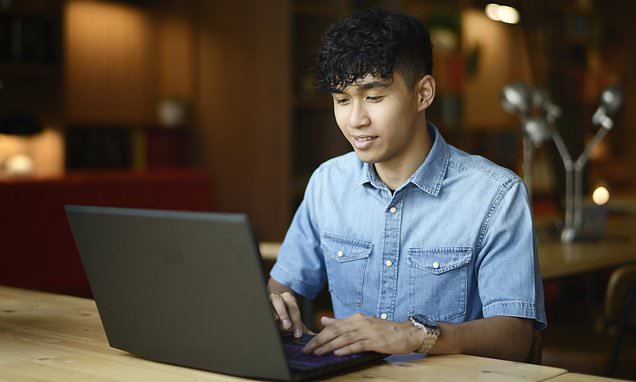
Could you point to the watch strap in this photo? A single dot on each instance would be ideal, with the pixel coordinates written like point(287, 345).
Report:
point(431, 333)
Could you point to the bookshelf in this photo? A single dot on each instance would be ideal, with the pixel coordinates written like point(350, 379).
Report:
point(31, 59)
point(315, 134)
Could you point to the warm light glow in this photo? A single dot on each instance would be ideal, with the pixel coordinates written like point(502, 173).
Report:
point(600, 196)
point(508, 15)
point(19, 164)
point(46, 150)
point(492, 11)
point(503, 13)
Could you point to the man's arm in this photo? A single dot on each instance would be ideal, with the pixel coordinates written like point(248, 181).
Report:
point(499, 337)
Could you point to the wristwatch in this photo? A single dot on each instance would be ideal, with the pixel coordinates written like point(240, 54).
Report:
point(430, 328)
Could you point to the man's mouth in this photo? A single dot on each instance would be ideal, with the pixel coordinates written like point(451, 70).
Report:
point(363, 142)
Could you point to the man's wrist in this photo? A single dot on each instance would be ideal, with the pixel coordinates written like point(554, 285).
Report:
point(416, 335)
point(274, 287)
point(450, 340)
point(429, 330)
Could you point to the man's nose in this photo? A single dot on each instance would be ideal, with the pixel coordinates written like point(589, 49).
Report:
point(358, 118)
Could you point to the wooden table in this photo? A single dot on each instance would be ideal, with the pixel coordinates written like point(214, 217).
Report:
point(574, 377)
point(618, 247)
point(47, 337)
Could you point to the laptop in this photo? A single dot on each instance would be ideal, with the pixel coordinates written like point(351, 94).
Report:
point(187, 288)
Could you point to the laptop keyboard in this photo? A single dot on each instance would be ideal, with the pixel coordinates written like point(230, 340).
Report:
point(298, 360)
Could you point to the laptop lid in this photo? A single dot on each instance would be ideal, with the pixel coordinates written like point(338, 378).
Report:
point(184, 288)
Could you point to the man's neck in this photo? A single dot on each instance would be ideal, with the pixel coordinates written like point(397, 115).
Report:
point(398, 170)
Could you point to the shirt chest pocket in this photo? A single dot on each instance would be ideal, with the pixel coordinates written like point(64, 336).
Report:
point(438, 281)
point(346, 261)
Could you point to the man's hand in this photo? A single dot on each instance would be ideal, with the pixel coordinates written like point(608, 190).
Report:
point(360, 333)
point(286, 310)
point(487, 337)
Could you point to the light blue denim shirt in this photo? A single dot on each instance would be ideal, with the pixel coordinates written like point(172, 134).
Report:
point(455, 242)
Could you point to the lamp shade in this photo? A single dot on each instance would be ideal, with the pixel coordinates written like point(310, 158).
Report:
point(19, 124)
point(537, 129)
point(611, 100)
point(516, 97)
point(542, 101)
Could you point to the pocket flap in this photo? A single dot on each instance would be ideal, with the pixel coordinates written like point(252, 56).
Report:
point(439, 260)
point(343, 249)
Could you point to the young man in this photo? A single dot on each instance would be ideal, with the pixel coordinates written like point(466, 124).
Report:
point(424, 247)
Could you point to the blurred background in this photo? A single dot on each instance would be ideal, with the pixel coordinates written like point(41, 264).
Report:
point(210, 105)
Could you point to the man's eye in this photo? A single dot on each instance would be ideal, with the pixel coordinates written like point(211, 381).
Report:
point(374, 98)
point(342, 101)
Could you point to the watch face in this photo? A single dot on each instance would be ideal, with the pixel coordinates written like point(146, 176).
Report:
point(425, 320)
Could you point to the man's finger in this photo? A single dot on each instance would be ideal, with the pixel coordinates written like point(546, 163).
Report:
point(340, 341)
point(356, 347)
point(328, 334)
point(326, 321)
point(306, 330)
point(281, 310)
point(294, 312)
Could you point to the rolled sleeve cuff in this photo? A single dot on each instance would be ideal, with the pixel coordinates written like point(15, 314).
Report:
point(284, 277)
point(522, 309)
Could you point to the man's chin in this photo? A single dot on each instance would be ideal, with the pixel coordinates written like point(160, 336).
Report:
point(366, 157)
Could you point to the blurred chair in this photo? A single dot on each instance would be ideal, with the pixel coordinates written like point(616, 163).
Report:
point(620, 308)
point(604, 350)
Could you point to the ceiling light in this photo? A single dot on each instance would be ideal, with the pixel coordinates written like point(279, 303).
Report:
point(503, 13)
point(492, 11)
point(508, 15)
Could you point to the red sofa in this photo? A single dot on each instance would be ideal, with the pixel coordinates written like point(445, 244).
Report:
point(37, 250)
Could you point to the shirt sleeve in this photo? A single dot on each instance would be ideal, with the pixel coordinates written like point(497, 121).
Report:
point(509, 278)
point(300, 264)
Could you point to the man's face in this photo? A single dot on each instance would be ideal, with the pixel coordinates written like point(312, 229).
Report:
point(378, 118)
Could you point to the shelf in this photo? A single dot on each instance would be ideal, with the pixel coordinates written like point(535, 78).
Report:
point(315, 135)
point(23, 70)
point(129, 146)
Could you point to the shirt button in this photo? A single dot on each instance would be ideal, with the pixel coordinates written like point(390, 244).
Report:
point(435, 264)
point(384, 316)
point(388, 263)
point(393, 210)
point(340, 253)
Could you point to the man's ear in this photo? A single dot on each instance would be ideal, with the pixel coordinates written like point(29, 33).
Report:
point(425, 90)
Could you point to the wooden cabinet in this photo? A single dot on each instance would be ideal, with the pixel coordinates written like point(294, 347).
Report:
point(123, 58)
point(109, 65)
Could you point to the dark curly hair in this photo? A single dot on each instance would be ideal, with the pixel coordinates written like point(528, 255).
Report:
point(376, 42)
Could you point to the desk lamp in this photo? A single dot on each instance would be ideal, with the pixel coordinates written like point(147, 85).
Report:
point(516, 98)
point(20, 125)
point(522, 99)
point(552, 112)
point(611, 100)
point(519, 98)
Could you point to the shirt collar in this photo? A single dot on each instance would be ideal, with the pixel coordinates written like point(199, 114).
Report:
point(368, 175)
point(428, 177)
